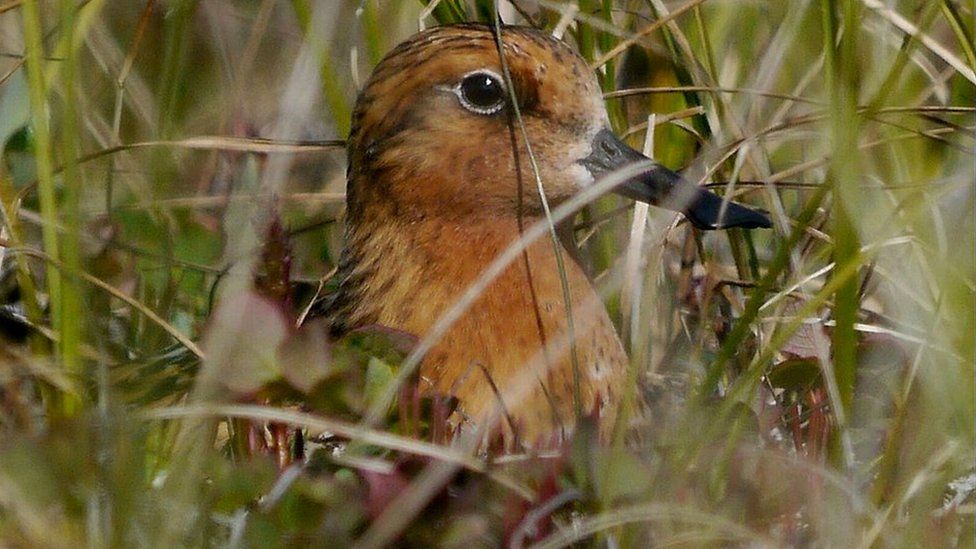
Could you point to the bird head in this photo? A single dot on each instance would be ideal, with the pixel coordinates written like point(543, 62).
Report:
point(435, 132)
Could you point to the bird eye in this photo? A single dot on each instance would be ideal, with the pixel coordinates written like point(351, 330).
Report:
point(481, 92)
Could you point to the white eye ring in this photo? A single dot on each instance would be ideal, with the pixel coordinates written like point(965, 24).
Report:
point(481, 92)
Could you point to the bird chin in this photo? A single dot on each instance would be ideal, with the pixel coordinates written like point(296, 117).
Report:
point(581, 176)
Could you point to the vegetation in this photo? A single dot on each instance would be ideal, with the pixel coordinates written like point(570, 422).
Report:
point(171, 199)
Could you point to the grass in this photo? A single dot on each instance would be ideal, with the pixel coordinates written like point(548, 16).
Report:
point(171, 192)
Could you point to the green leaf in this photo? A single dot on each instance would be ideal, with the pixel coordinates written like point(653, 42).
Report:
point(797, 374)
point(379, 374)
point(245, 333)
point(304, 357)
point(14, 107)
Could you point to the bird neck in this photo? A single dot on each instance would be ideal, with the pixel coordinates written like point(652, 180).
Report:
point(448, 246)
point(405, 271)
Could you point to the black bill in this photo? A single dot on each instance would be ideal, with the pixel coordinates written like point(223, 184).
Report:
point(662, 187)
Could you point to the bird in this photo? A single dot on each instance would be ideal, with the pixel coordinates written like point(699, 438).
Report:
point(440, 182)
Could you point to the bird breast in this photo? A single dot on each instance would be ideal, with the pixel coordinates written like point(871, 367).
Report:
point(509, 358)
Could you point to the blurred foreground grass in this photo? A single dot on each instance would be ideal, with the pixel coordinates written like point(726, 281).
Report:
point(170, 190)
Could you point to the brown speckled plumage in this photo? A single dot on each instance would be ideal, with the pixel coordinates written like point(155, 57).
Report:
point(437, 190)
point(435, 193)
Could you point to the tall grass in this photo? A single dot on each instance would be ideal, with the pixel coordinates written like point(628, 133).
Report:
point(171, 192)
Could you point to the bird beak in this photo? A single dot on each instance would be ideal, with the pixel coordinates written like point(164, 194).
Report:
point(662, 187)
